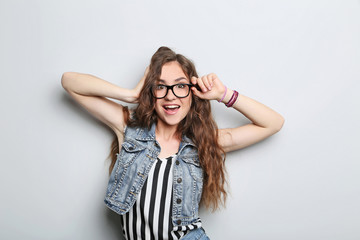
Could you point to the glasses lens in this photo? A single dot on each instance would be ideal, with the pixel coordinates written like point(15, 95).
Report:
point(181, 90)
point(159, 91)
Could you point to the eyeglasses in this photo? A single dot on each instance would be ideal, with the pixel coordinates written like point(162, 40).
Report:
point(180, 90)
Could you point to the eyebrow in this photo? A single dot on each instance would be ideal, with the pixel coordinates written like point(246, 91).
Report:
point(176, 80)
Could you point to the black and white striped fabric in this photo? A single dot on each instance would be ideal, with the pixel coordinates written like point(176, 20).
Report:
point(150, 217)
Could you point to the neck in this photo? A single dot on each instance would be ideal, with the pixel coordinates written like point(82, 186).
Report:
point(166, 132)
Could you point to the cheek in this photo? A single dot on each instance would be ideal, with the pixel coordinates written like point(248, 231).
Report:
point(157, 105)
point(187, 103)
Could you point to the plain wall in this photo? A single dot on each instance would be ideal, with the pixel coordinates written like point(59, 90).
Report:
point(302, 58)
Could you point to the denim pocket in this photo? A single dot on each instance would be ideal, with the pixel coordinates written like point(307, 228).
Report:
point(129, 151)
point(193, 164)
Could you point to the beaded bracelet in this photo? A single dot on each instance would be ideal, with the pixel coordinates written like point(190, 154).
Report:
point(223, 95)
point(232, 99)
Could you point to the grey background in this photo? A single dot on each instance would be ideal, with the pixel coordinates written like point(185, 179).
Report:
point(299, 57)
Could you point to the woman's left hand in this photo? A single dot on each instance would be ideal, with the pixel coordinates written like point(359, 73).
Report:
point(211, 87)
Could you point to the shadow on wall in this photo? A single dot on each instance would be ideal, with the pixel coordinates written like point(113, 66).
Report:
point(80, 111)
point(111, 219)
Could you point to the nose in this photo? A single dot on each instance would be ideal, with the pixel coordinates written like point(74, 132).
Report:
point(170, 95)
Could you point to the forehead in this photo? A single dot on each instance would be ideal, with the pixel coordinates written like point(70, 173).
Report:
point(171, 71)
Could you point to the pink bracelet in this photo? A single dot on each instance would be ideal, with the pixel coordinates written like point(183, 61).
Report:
point(224, 95)
point(232, 99)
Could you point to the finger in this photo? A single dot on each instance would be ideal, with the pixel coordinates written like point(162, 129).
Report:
point(196, 92)
point(215, 81)
point(213, 77)
point(207, 82)
point(201, 84)
point(194, 80)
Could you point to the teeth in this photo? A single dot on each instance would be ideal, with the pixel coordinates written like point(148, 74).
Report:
point(172, 107)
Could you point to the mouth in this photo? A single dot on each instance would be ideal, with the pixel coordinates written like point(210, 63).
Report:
point(171, 109)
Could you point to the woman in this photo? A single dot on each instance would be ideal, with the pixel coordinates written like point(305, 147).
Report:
point(172, 153)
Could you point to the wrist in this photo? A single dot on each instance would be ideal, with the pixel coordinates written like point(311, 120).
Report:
point(227, 96)
point(230, 98)
point(221, 98)
point(128, 95)
point(134, 95)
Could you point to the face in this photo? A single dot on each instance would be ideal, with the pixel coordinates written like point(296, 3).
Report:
point(171, 109)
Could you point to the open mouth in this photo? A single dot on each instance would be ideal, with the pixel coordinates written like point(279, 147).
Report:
point(171, 109)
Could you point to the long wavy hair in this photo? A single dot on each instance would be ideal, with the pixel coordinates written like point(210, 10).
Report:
point(198, 125)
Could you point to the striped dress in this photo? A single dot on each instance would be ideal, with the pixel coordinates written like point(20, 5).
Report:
point(150, 217)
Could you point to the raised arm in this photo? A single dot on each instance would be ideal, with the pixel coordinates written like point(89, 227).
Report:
point(92, 93)
point(265, 121)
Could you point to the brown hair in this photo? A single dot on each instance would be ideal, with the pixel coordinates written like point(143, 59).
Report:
point(198, 125)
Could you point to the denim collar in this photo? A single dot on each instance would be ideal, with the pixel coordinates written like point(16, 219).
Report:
point(144, 134)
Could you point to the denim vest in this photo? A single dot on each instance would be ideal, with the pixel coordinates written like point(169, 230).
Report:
point(138, 153)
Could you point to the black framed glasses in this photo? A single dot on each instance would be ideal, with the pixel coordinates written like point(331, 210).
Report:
point(180, 90)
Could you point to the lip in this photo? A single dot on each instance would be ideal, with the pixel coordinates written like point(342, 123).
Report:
point(172, 111)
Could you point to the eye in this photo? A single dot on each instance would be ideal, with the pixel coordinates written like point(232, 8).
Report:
point(181, 86)
point(160, 87)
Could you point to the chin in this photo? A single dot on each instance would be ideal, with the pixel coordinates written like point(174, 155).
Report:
point(170, 121)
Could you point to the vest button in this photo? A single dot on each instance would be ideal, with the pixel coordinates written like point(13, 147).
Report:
point(131, 148)
point(179, 180)
point(178, 201)
point(178, 222)
point(177, 162)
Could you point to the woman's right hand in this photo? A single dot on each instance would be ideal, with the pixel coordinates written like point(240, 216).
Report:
point(139, 86)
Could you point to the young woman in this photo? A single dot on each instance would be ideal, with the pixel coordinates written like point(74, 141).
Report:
point(172, 153)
